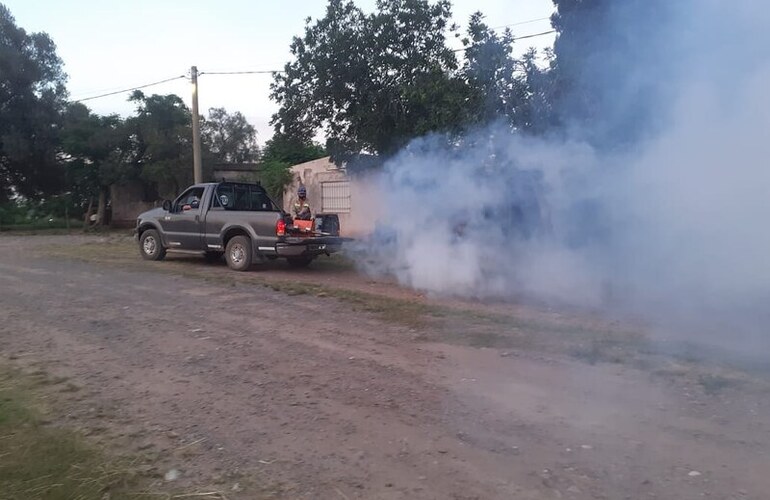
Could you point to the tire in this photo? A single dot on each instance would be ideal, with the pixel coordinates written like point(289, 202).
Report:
point(238, 253)
point(299, 262)
point(213, 257)
point(150, 245)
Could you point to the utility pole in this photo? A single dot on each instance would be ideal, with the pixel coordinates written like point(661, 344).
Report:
point(196, 129)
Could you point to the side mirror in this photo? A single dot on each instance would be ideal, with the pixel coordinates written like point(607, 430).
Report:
point(166, 205)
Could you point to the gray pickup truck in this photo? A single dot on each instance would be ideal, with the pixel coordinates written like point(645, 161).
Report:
point(238, 220)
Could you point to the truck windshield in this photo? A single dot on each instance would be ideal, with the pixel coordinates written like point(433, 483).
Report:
point(243, 197)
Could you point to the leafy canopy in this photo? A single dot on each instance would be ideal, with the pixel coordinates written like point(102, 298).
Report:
point(230, 138)
point(372, 81)
point(32, 96)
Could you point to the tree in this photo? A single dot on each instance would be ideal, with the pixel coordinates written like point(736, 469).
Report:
point(541, 92)
point(32, 96)
point(498, 80)
point(229, 137)
point(95, 150)
point(161, 144)
point(291, 150)
point(372, 82)
point(280, 153)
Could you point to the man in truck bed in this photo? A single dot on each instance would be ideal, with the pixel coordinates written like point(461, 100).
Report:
point(238, 220)
point(302, 206)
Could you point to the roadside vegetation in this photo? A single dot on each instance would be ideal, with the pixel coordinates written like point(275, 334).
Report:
point(580, 336)
point(78, 155)
point(42, 461)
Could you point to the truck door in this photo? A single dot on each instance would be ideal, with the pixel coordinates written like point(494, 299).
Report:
point(217, 217)
point(182, 226)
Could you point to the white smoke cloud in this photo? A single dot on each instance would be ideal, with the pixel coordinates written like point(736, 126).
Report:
point(679, 224)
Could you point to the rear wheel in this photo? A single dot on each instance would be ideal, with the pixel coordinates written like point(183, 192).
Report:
point(299, 261)
point(150, 245)
point(238, 253)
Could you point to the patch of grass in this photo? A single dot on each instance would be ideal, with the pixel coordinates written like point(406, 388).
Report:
point(42, 226)
point(119, 251)
point(602, 350)
point(399, 311)
point(452, 324)
point(433, 323)
point(42, 462)
point(713, 384)
point(591, 353)
point(395, 310)
point(123, 252)
point(448, 324)
point(673, 370)
point(472, 338)
point(336, 262)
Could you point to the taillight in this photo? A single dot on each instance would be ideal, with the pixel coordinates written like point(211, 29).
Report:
point(280, 227)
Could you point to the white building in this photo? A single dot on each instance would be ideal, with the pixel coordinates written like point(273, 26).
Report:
point(331, 190)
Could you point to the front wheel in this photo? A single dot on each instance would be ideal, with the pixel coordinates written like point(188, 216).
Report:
point(238, 253)
point(150, 245)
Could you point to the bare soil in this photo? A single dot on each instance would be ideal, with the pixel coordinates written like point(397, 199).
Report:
point(322, 383)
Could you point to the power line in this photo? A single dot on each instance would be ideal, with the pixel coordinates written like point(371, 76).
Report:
point(175, 78)
point(533, 35)
point(524, 37)
point(239, 72)
point(520, 23)
point(131, 89)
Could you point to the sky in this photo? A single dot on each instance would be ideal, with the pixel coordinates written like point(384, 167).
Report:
point(108, 46)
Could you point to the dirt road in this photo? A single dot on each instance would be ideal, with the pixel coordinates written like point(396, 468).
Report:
point(259, 393)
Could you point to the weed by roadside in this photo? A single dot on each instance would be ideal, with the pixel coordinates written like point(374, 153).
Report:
point(124, 253)
point(602, 350)
point(434, 323)
point(714, 384)
point(43, 462)
point(40, 461)
point(430, 322)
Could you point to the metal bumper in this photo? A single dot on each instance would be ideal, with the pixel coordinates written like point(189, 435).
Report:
point(306, 250)
point(308, 247)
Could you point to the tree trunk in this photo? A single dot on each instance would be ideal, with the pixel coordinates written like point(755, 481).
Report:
point(102, 206)
point(87, 218)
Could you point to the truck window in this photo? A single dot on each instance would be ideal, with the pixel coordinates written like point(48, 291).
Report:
point(243, 197)
point(215, 201)
point(189, 200)
point(225, 196)
point(259, 200)
point(242, 201)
